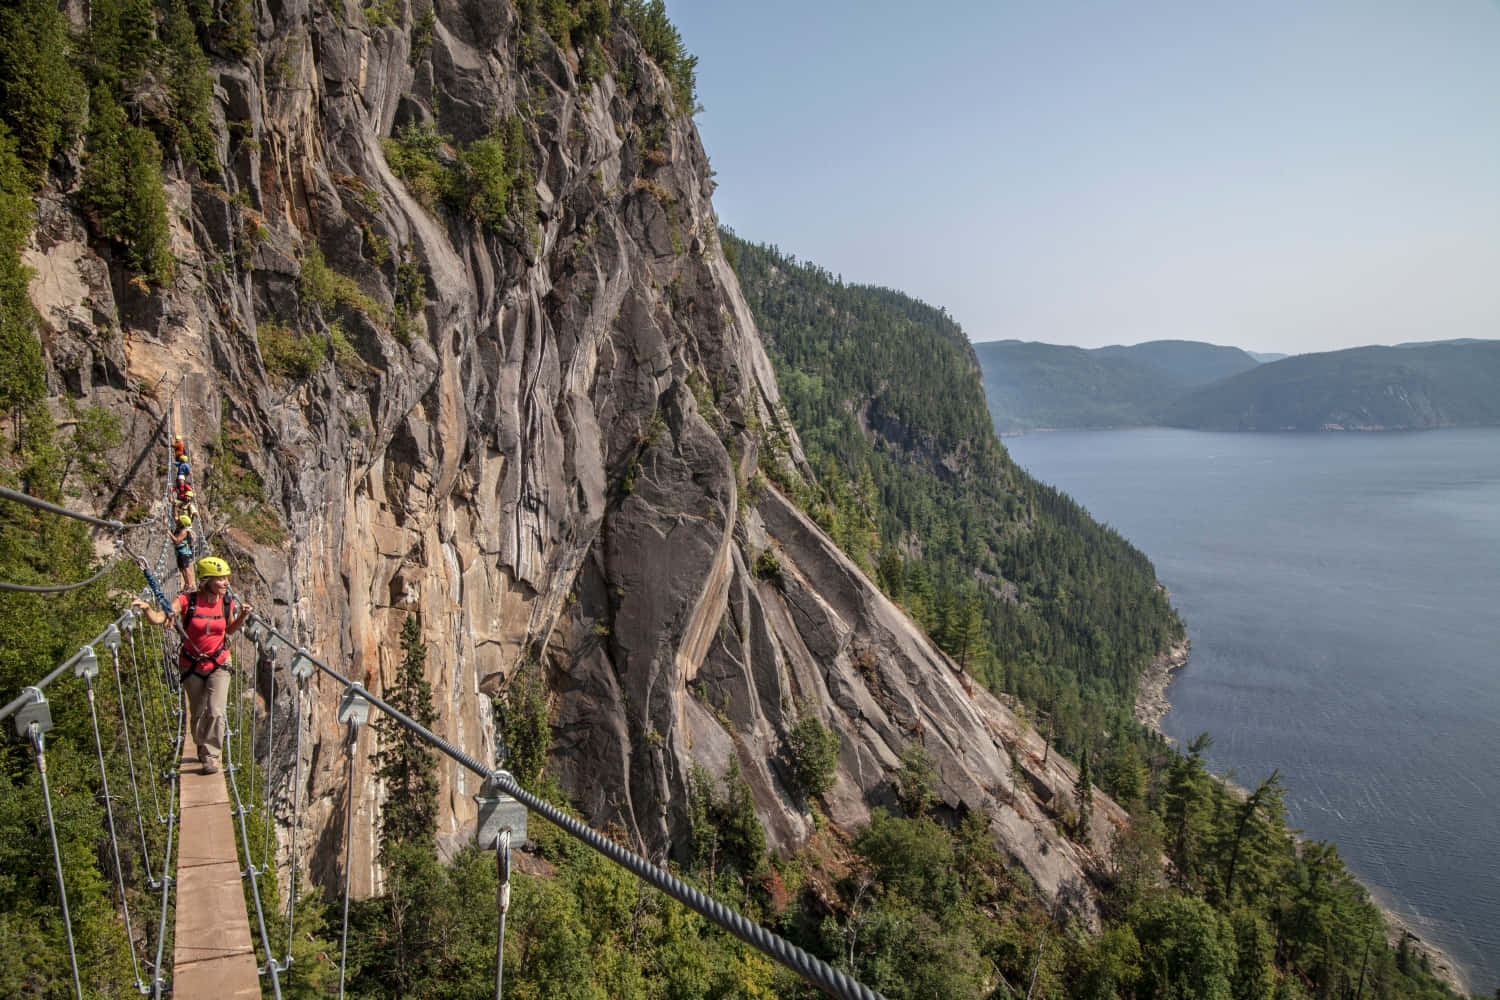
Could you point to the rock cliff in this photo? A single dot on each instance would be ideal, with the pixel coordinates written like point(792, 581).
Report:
point(532, 426)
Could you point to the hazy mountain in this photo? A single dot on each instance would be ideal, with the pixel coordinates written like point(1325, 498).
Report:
point(1452, 384)
point(1188, 361)
point(1189, 384)
point(1029, 385)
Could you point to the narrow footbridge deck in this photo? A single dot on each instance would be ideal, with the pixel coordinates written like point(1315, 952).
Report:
point(212, 956)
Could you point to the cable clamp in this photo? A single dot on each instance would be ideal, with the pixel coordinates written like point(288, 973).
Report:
point(302, 665)
point(87, 664)
point(35, 712)
point(498, 812)
point(354, 709)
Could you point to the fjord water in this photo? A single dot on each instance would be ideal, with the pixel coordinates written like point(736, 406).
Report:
point(1342, 593)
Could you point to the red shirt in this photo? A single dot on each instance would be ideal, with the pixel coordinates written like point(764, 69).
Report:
point(205, 634)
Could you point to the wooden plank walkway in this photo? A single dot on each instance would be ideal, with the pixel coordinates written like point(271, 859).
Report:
point(212, 956)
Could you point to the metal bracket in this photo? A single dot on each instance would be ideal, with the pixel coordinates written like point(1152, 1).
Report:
point(498, 812)
point(88, 663)
point(111, 638)
point(35, 711)
point(255, 631)
point(302, 665)
point(274, 644)
point(354, 710)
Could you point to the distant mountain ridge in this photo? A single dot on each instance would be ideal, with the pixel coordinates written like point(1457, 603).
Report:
point(1418, 387)
point(1203, 386)
point(1030, 385)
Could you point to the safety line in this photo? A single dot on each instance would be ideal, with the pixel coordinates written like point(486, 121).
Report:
point(145, 726)
point(52, 508)
point(167, 879)
point(34, 732)
point(291, 902)
point(251, 872)
point(109, 815)
point(772, 945)
point(135, 792)
point(348, 842)
point(61, 588)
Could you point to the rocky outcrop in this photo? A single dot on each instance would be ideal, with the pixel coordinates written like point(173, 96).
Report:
point(543, 452)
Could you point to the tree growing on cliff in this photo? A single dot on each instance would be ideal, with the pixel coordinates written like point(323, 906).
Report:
point(404, 763)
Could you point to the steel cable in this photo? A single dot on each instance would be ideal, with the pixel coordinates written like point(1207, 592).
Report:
point(62, 588)
point(114, 845)
point(167, 881)
point(348, 856)
point(135, 792)
point(251, 872)
point(38, 746)
point(292, 886)
point(146, 729)
point(265, 785)
point(814, 970)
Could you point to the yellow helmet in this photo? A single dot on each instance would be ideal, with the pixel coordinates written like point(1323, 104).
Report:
point(212, 566)
point(185, 521)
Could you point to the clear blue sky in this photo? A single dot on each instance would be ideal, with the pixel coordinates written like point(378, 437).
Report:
point(1279, 176)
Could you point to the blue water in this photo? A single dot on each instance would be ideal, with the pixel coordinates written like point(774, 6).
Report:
point(1342, 593)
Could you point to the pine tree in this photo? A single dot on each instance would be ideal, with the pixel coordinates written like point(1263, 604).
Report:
point(404, 763)
point(1083, 790)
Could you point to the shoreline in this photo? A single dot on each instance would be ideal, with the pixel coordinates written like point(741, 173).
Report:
point(1151, 706)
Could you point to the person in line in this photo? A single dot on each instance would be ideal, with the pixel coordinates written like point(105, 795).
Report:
point(208, 616)
point(182, 542)
point(184, 502)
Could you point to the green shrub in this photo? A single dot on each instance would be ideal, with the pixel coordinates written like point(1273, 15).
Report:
point(811, 751)
point(767, 566)
point(326, 288)
point(289, 352)
point(525, 724)
point(414, 155)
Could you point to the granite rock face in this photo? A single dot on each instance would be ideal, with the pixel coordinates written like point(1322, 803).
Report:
point(543, 451)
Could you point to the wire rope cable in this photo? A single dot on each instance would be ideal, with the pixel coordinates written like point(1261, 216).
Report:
point(145, 727)
point(135, 791)
point(61, 588)
point(809, 967)
point(52, 508)
point(292, 885)
point(251, 872)
point(38, 745)
point(167, 881)
point(266, 770)
point(348, 857)
point(114, 844)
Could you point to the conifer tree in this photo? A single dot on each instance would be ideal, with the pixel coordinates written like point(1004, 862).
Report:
point(1083, 790)
point(404, 763)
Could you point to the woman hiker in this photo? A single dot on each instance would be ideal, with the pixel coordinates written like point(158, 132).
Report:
point(209, 616)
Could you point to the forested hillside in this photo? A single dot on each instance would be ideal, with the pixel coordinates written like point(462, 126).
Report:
point(1203, 387)
point(1366, 388)
point(1189, 362)
point(1029, 385)
point(1011, 577)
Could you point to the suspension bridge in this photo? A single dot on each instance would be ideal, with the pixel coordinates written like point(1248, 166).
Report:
point(182, 844)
